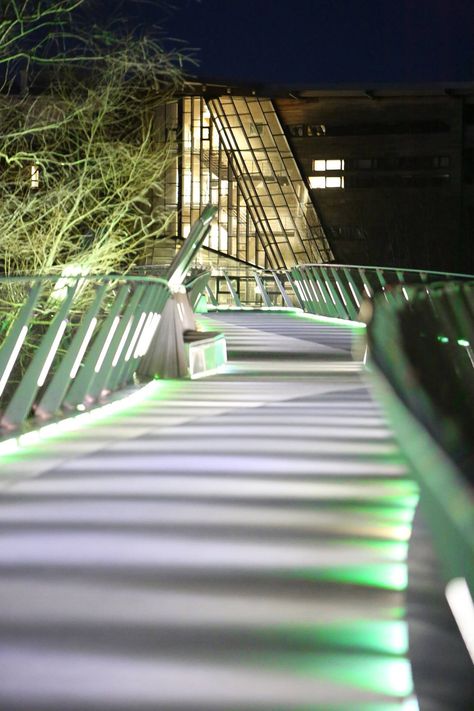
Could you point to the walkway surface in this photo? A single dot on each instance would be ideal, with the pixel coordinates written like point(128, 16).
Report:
point(231, 543)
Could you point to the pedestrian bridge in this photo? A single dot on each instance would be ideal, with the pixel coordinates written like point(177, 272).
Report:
point(240, 541)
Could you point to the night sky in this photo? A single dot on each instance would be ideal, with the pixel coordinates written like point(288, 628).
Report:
point(317, 42)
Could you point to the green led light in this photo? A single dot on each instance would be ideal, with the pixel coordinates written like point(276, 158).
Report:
point(443, 339)
point(386, 576)
point(376, 673)
point(462, 342)
point(389, 637)
point(15, 445)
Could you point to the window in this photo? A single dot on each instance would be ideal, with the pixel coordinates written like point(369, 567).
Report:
point(441, 162)
point(320, 182)
point(296, 131)
point(316, 129)
point(328, 164)
point(365, 163)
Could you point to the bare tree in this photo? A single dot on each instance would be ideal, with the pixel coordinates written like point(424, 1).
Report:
point(81, 165)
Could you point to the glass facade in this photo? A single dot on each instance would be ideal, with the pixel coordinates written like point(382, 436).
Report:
point(232, 152)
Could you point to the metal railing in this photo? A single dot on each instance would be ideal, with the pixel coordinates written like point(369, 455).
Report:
point(422, 344)
point(336, 291)
point(67, 340)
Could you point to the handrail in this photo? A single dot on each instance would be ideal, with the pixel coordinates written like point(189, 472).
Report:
point(68, 340)
point(422, 358)
point(450, 275)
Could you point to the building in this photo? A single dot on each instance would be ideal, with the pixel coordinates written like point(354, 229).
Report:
point(382, 176)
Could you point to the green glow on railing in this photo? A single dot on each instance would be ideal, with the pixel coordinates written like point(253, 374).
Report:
point(376, 673)
point(443, 339)
point(14, 445)
point(463, 342)
point(379, 636)
point(386, 576)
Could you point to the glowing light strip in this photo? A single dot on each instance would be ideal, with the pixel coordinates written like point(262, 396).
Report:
point(330, 292)
point(461, 604)
point(405, 293)
point(149, 334)
point(322, 292)
point(122, 342)
point(14, 444)
point(354, 295)
point(106, 345)
point(144, 336)
point(83, 347)
point(342, 295)
point(367, 290)
point(52, 353)
point(135, 337)
point(13, 357)
point(313, 289)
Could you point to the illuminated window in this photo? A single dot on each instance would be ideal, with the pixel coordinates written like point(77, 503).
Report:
point(319, 182)
point(34, 176)
point(334, 182)
point(328, 164)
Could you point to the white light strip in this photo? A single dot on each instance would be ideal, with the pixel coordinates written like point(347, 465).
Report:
point(330, 292)
point(135, 337)
point(181, 312)
point(106, 345)
point(13, 357)
point(313, 289)
point(300, 291)
point(354, 295)
point(122, 342)
point(83, 347)
point(149, 334)
point(144, 336)
point(461, 604)
point(367, 291)
point(52, 353)
point(322, 292)
point(341, 293)
point(405, 293)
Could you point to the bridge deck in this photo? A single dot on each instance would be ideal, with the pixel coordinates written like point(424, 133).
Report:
point(234, 543)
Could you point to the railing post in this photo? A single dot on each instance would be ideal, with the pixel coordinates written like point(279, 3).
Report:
point(339, 307)
point(261, 288)
point(70, 364)
point(158, 295)
point(16, 335)
point(79, 388)
point(295, 279)
point(36, 373)
point(352, 312)
point(233, 292)
point(103, 373)
point(282, 290)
